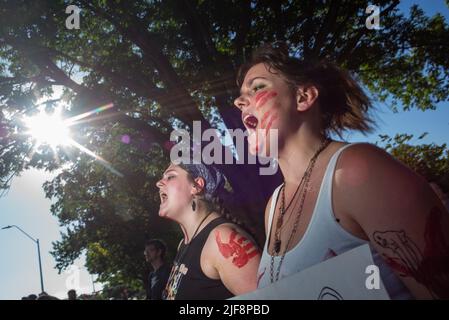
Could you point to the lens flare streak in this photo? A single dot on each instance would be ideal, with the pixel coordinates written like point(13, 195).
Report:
point(54, 131)
point(71, 121)
point(96, 157)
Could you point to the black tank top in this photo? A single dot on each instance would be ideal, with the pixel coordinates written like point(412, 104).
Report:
point(187, 281)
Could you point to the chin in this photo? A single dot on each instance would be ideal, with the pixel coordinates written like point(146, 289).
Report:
point(163, 213)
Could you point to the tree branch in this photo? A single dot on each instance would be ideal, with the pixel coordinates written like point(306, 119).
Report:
point(199, 32)
point(150, 91)
point(329, 21)
point(307, 29)
point(136, 31)
point(352, 42)
point(244, 28)
point(41, 59)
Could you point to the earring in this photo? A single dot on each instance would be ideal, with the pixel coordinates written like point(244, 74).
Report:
point(193, 205)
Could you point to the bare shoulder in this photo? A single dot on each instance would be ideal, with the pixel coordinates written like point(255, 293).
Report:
point(364, 165)
point(361, 155)
point(369, 181)
point(231, 232)
point(400, 214)
point(230, 242)
point(233, 256)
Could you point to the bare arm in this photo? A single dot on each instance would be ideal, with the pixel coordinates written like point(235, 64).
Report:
point(401, 216)
point(235, 257)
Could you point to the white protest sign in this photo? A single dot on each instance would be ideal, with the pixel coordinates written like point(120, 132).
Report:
point(343, 277)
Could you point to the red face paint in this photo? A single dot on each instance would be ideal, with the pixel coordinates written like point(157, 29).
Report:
point(260, 95)
point(265, 116)
point(263, 99)
point(262, 133)
point(273, 118)
point(240, 253)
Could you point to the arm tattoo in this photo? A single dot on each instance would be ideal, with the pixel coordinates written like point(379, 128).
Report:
point(241, 253)
point(429, 267)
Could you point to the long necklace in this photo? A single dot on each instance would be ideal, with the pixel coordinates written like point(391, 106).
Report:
point(177, 262)
point(277, 235)
point(183, 252)
point(280, 220)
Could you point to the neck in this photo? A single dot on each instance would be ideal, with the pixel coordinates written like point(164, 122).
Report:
point(157, 264)
point(192, 223)
point(297, 151)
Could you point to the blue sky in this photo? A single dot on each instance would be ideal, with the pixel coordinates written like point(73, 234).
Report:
point(26, 206)
point(435, 122)
point(416, 122)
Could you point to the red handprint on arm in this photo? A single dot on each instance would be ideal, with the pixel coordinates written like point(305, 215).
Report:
point(241, 253)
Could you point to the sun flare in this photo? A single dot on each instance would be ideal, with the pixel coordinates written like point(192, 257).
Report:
point(52, 130)
point(48, 129)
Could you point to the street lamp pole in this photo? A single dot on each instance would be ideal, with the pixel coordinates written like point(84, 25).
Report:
point(38, 251)
point(40, 264)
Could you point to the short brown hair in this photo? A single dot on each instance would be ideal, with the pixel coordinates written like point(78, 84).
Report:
point(344, 104)
point(158, 244)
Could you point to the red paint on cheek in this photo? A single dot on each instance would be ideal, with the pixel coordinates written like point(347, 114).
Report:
point(273, 118)
point(269, 116)
point(265, 116)
point(265, 98)
point(260, 95)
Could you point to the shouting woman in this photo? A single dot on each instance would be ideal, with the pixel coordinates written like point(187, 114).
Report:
point(216, 259)
point(337, 196)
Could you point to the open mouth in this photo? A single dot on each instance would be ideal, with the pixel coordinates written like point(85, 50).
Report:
point(163, 197)
point(251, 122)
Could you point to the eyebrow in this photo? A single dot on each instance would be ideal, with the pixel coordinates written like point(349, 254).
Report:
point(250, 81)
point(169, 170)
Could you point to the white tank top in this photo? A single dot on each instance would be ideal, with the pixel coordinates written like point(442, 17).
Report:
point(324, 238)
